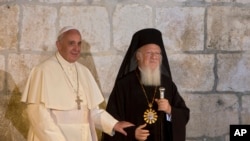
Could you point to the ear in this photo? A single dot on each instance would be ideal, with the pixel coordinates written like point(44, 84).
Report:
point(137, 56)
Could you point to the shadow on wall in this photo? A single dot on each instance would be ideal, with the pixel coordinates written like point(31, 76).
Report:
point(17, 124)
point(87, 60)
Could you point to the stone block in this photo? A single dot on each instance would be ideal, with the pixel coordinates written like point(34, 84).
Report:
point(9, 18)
point(127, 19)
point(228, 28)
point(233, 72)
point(92, 22)
point(182, 27)
point(245, 112)
point(211, 115)
point(193, 72)
point(214, 1)
point(38, 28)
point(243, 1)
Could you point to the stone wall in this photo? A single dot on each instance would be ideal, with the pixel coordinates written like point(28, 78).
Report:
point(207, 42)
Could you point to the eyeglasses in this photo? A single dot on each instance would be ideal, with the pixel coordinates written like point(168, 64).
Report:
point(157, 54)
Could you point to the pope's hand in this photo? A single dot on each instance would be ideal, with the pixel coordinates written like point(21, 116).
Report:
point(119, 126)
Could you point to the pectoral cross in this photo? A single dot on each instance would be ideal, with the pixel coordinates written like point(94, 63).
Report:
point(78, 101)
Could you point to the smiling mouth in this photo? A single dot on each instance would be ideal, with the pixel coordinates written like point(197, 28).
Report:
point(76, 53)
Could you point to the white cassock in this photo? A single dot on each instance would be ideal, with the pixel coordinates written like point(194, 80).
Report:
point(51, 106)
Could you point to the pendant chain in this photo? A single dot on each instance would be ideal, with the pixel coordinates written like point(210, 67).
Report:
point(78, 100)
point(149, 104)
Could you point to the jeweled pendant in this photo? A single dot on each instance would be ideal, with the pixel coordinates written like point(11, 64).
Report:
point(150, 116)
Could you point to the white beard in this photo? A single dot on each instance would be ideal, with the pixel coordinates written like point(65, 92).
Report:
point(151, 77)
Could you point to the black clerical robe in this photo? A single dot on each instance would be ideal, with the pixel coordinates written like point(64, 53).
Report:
point(128, 102)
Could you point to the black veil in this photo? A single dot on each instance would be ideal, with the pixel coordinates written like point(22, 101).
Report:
point(140, 38)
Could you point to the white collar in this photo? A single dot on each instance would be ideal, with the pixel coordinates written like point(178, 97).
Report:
point(64, 62)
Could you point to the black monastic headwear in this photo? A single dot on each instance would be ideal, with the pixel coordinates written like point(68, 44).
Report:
point(140, 38)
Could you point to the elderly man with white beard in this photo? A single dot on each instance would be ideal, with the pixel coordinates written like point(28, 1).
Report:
point(136, 97)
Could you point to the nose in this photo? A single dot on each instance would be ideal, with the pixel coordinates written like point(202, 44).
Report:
point(154, 55)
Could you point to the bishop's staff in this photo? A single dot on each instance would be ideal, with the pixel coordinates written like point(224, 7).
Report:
point(162, 91)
